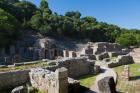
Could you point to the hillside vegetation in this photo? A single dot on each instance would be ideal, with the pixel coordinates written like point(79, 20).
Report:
point(19, 16)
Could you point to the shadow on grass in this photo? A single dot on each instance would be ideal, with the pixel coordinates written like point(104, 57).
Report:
point(135, 78)
point(84, 87)
point(5, 91)
point(85, 76)
point(85, 90)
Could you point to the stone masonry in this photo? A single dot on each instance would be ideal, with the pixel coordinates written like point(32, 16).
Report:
point(50, 82)
point(14, 78)
point(77, 67)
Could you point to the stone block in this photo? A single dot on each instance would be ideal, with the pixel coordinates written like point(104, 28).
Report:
point(107, 85)
point(102, 56)
point(89, 50)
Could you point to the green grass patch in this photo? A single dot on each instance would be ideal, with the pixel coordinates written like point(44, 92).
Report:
point(127, 86)
point(87, 81)
point(26, 66)
point(35, 91)
point(133, 69)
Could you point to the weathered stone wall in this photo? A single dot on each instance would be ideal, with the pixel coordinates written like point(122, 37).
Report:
point(13, 79)
point(50, 82)
point(78, 66)
point(106, 47)
point(121, 60)
point(102, 56)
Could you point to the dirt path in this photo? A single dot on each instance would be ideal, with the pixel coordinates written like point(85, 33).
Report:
point(105, 72)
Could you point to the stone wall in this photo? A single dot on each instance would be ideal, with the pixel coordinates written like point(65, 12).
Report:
point(50, 82)
point(106, 47)
point(14, 78)
point(78, 66)
point(121, 60)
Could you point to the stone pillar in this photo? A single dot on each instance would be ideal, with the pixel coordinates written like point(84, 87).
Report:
point(65, 53)
point(40, 54)
point(3, 52)
point(89, 50)
point(61, 80)
point(125, 73)
point(17, 58)
point(43, 53)
point(51, 53)
point(12, 50)
point(74, 54)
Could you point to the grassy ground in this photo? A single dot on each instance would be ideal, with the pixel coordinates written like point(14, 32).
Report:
point(35, 91)
point(22, 67)
point(87, 80)
point(133, 69)
point(133, 85)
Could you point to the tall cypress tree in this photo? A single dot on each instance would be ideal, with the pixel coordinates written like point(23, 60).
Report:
point(44, 6)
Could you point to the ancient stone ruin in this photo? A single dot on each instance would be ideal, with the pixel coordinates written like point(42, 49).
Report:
point(76, 66)
point(54, 77)
point(125, 74)
point(107, 85)
point(50, 82)
point(63, 66)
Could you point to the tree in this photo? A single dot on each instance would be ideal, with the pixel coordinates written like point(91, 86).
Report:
point(9, 28)
point(9, 1)
point(25, 9)
point(45, 7)
point(127, 39)
point(73, 14)
point(36, 21)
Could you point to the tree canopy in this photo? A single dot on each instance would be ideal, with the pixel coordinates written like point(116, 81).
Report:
point(48, 23)
point(9, 28)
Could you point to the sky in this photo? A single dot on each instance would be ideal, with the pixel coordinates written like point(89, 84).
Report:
point(124, 13)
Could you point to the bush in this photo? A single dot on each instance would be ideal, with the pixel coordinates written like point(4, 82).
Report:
point(127, 40)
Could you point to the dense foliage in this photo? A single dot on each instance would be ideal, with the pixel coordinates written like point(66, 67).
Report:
point(48, 23)
point(9, 28)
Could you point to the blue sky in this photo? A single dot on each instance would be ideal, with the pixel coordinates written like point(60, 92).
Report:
point(124, 13)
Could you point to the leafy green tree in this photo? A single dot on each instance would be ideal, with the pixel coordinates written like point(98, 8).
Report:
point(45, 7)
point(9, 28)
point(9, 1)
point(25, 9)
point(36, 21)
point(127, 39)
point(73, 14)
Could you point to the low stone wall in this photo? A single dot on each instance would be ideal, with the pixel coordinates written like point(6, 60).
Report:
point(26, 63)
point(105, 46)
point(102, 56)
point(77, 67)
point(14, 78)
point(121, 60)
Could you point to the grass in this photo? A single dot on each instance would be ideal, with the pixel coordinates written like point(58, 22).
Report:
point(22, 67)
point(35, 91)
point(113, 58)
point(133, 69)
point(132, 85)
point(87, 81)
